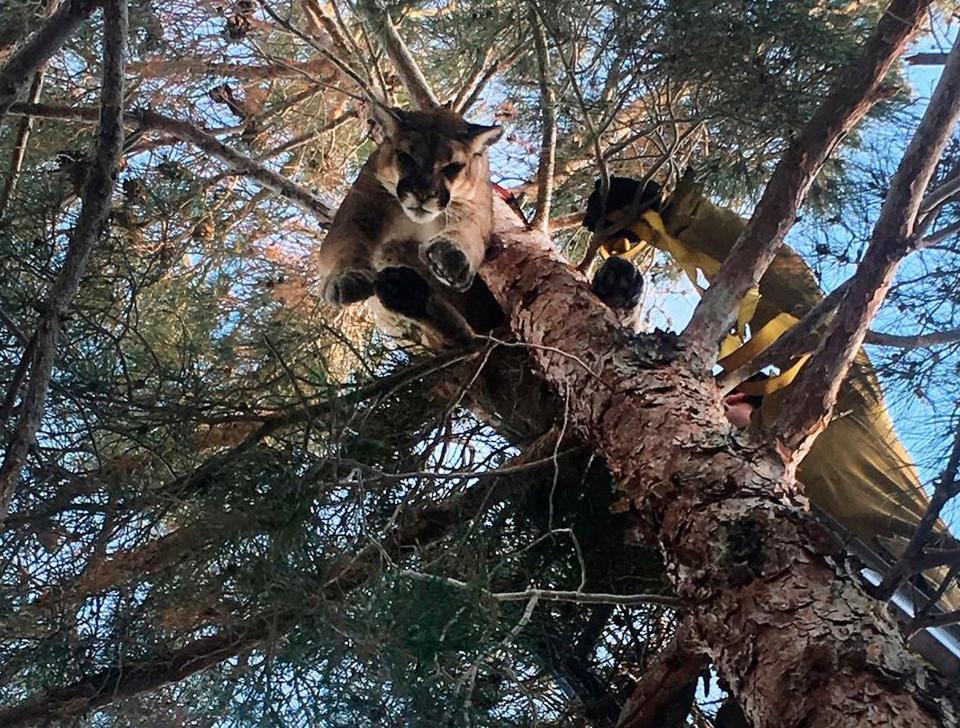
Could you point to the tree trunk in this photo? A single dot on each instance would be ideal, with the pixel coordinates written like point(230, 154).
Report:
point(797, 640)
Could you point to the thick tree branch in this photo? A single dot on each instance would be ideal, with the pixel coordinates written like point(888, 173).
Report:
point(799, 340)
point(802, 338)
point(666, 687)
point(756, 576)
point(810, 400)
point(35, 53)
point(855, 92)
point(941, 194)
point(321, 210)
point(137, 676)
point(410, 74)
point(926, 59)
point(95, 204)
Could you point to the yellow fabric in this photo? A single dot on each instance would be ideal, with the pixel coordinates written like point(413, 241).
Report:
point(857, 471)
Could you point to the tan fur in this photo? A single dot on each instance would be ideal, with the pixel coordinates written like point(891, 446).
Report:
point(426, 183)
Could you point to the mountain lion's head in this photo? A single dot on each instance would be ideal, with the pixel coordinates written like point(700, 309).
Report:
point(430, 158)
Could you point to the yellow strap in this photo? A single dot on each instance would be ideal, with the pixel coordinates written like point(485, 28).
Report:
point(729, 345)
point(759, 341)
point(748, 307)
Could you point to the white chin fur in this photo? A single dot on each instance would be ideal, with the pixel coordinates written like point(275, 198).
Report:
point(420, 215)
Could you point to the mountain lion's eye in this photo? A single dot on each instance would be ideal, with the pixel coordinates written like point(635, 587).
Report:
point(452, 170)
point(406, 160)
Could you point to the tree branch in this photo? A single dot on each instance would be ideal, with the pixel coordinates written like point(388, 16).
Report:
point(34, 54)
point(946, 489)
point(666, 687)
point(20, 145)
point(415, 527)
point(470, 94)
point(809, 403)
point(913, 341)
point(23, 129)
point(852, 96)
point(95, 204)
point(926, 59)
point(137, 676)
point(691, 488)
point(410, 74)
point(548, 141)
point(304, 199)
point(941, 194)
point(283, 68)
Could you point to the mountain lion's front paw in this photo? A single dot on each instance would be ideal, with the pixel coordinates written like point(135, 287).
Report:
point(349, 286)
point(448, 263)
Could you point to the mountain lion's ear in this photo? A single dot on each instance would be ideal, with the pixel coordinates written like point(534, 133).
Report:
point(388, 119)
point(479, 136)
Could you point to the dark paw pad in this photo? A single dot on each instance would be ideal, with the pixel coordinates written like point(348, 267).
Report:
point(350, 286)
point(618, 284)
point(449, 264)
point(403, 291)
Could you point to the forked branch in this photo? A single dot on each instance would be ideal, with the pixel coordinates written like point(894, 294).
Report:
point(810, 400)
point(853, 95)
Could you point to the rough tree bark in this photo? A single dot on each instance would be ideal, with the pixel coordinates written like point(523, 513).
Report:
point(797, 640)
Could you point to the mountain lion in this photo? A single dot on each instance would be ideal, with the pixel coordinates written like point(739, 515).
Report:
point(414, 227)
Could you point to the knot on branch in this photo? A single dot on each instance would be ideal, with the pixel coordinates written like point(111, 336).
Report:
point(654, 350)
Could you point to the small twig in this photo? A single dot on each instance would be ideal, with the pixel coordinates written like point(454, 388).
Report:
point(548, 141)
point(472, 95)
point(20, 143)
point(552, 595)
point(595, 136)
point(341, 65)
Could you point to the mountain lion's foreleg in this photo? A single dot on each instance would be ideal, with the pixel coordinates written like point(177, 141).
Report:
point(403, 291)
point(345, 264)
